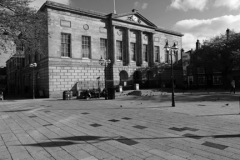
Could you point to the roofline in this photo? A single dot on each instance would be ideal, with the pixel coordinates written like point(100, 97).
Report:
point(92, 13)
point(129, 22)
point(169, 32)
point(73, 9)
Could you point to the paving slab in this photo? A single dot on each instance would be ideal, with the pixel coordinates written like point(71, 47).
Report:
point(202, 126)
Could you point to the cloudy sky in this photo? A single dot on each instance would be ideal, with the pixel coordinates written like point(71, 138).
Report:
point(196, 19)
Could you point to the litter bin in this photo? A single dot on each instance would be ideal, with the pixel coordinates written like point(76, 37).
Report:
point(111, 93)
point(66, 95)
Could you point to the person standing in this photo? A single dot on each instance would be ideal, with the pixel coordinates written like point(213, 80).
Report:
point(232, 86)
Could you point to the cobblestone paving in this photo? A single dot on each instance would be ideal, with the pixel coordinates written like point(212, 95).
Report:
point(202, 126)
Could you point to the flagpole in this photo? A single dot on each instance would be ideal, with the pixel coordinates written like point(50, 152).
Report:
point(114, 3)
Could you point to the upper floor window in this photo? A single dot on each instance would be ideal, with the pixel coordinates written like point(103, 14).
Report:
point(200, 70)
point(145, 56)
point(156, 51)
point(103, 47)
point(86, 46)
point(65, 44)
point(29, 59)
point(175, 57)
point(167, 56)
point(133, 51)
point(119, 50)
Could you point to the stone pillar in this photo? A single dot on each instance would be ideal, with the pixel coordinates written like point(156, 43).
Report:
point(151, 50)
point(127, 59)
point(139, 57)
point(113, 46)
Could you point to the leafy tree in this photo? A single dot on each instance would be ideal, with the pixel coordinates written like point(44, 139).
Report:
point(23, 26)
point(220, 53)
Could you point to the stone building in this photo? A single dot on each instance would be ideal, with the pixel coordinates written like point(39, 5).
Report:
point(78, 38)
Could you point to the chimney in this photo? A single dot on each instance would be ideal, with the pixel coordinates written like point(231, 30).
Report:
point(227, 33)
point(198, 45)
point(134, 10)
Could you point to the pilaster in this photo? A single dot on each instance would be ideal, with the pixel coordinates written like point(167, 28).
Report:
point(139, 57)
point(127, 49)
point(151, 50)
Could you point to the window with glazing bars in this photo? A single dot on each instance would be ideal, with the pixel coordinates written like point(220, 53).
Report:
point(103, 47)
point(119, 50)
point(167, 56)
point(145, 53)
point(156, 51)
point(86, 46)
point(65, 44)
point(133, 51)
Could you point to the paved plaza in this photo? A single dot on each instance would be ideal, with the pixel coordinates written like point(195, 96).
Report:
point(202, 126)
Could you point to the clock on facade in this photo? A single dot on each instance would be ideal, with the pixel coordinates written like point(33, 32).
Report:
point(134, 18)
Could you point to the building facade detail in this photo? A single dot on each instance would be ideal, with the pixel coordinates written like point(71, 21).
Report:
point(79, 38)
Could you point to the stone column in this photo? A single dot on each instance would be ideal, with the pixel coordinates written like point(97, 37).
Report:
point(126, 45)
point(128, 59)
point(151, 50)
point(113, 46)
point(139, 43)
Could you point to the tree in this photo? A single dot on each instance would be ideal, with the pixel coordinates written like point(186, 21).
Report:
point(220, 53)
point(23, 26)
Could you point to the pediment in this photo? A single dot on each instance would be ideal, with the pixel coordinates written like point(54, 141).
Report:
point(135, 18)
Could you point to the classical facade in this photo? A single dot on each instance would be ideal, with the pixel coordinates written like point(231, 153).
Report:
point(78, 38)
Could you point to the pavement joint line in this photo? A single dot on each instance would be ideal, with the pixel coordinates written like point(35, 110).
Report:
point(220, 132)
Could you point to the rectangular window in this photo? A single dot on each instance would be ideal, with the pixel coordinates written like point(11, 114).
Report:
point(145, 47)
point(175, 57)
point(201, 80)
point(86, 46)
point(133, 51)
point(103, 48)
point(65, 44)
point(156, 51)
point(200, 70)
point(119, 50)
point(167, 56)
point(217, 80)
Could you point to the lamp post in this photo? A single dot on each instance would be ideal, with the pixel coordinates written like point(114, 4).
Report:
point(171, 50)
point(33, 65)
point(105, 63)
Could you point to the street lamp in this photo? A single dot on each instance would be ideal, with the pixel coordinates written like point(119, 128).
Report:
point(172, 51)
point(105, 63)
point(33, 65)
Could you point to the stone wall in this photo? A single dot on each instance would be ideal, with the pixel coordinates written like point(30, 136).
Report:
point(76, 72)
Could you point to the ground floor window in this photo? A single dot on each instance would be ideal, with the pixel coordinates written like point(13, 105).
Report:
point(201, 80)
point(217, 80)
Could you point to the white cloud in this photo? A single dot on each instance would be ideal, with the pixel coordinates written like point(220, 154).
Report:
point(38, 3)
point(144, 6)
point(194, 29)
point(231, 4)
point(139, 5)
point(185, 5)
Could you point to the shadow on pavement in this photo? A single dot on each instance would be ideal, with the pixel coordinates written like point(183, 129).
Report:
point(50, 144)
point(22, 110)
point(218, 115)
point(97, 139)
point(184, 98)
